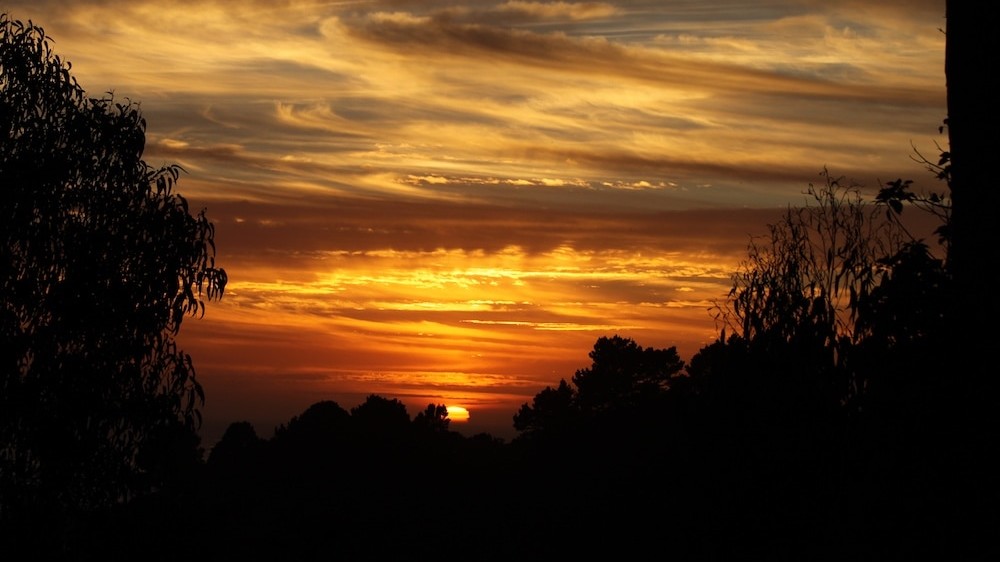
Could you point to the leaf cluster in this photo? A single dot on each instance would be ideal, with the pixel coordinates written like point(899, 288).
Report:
point(840, 285)
point(623, 380)
point(804, 280)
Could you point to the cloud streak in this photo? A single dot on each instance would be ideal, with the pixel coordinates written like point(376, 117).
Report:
point(441, 37)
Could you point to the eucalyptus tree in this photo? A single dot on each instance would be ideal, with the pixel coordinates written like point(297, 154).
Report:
point(100, 262)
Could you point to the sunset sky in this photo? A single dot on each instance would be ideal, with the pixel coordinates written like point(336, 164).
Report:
point(449, 202)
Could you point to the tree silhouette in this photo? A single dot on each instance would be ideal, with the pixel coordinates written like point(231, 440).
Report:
point(380, 417)
point(828, 396)
point(434, 419)
point(840, 292)
point(808, 274)
point(320, 422)
point(624, 380)
point(830, 276)
point(239, 447)
point(314, 440)
point(100, 261)
point(383, 433)
point(551, 410)
point(623, 375)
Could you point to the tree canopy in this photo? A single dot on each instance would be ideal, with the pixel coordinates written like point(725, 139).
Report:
point(100, 261)
point(623, 380)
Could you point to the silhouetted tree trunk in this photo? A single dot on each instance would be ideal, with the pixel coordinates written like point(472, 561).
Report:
point(971, 62)
point(971, 55)
point(972, 47)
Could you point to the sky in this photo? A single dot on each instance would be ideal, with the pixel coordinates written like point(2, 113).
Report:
point(449, 202)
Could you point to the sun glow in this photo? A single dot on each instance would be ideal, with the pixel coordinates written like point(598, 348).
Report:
point(458, 414)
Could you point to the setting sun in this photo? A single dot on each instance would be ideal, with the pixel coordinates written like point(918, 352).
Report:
point(458, 414)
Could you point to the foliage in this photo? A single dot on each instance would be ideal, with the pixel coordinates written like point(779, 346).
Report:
point(623, 379)
point(101, 261)
point(623, 374)
point(434, 419)
point(238, 446)
point(837, 278)
point(552, 409)
point(896, 194)
point(829, 383)
point(321, 422)
point(380, 416)
point(804, 281)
